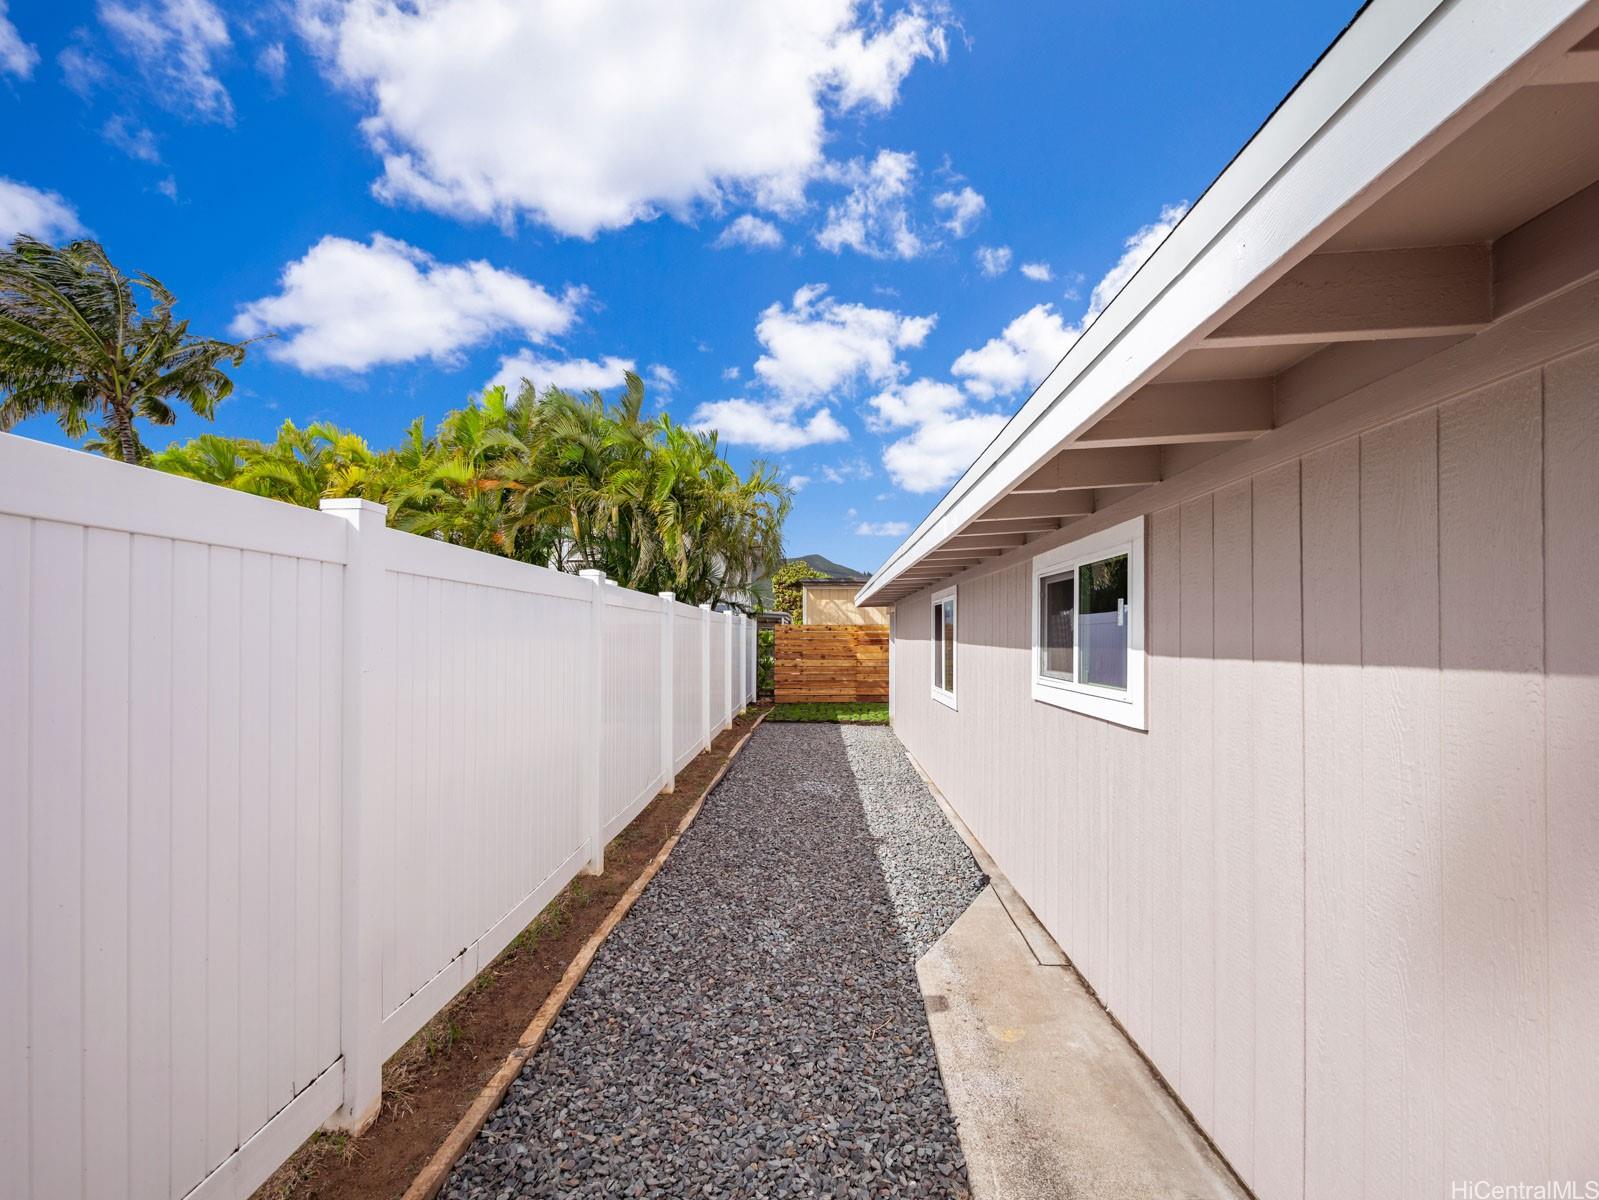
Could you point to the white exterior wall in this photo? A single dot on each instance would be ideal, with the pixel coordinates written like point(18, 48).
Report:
point(276, 785)
point(1344, 893)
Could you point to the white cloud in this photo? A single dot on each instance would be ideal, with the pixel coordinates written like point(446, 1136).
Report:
point(81, 69)
point(661, 377)
point(947, 433)
point(168, 187)
point(45, 215)
point(17, 57)
point(1034, 342)
point(273, 62)
point(918, 403)
point(751, 232)
point(883, 528)
point(819, 345)
point(133, 139)
point(936, 454)
point(963, 208)
point(1135, 250)
point(1020, 356)
point(993, 260)
point(349, 306)
point(873, 218)
point(1038, 272)
point(570, 375)
point(730, 373)
point(174, 43)
point(767, 426)
point(632, 109)
point(798, 482)
point(856, 468)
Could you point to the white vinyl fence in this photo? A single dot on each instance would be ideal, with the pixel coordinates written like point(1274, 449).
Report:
point(276, 785)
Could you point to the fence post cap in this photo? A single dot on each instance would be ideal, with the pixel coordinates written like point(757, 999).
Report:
point(610, 582)
point(353, 504)
point(706, 606)
point(591, 573)
point(667, 595)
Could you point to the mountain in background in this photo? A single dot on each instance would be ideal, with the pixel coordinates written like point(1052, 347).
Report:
point(826, 568)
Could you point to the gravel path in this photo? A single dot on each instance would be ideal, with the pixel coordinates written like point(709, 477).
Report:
point(754, 1026)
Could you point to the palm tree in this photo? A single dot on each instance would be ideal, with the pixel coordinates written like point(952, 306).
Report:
point(74, 342)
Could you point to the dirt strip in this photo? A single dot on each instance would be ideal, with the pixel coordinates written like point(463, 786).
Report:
point(435, 1079)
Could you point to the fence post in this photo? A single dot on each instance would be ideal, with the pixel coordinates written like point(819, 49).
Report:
point(738, 655)
point(705, 674)
point(591, 776)
point(668, 696)
point(366, 674)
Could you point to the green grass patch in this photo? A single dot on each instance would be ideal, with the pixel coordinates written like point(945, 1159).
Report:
point(845, 714)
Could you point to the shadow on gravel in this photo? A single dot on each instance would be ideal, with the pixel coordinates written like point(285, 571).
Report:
point(754, 1026)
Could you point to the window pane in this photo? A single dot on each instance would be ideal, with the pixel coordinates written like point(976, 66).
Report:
point(1102, 623)
point(949, 646)
point(1055, 626)
point(938, 644)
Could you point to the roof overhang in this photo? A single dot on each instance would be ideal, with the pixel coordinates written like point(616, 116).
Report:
point(1255, 280)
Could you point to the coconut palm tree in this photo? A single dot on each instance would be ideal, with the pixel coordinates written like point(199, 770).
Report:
point(74, 342)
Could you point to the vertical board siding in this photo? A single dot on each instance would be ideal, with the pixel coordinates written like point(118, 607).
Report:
point(1276, 686)
point(1494, 886)
point(1342, 892)
point(1196, 758)
point(1571, 758)
point(1235, 869)
point(1402, 835)
point(1334, 879)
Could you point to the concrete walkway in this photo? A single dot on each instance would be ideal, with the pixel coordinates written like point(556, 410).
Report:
point(1050, 1099)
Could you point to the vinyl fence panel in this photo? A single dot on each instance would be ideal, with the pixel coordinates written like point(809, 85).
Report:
point(631, 706)
point(171, 839)
point(279, 783)
point(484, 827)
point(717, 630)
point(688, 681)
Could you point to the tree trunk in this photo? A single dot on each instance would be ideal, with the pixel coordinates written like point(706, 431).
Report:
point(123, 416)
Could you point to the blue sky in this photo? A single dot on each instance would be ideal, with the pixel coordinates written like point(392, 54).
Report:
point(850, 238)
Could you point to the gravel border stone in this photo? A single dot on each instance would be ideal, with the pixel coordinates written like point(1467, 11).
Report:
point(754, 1027)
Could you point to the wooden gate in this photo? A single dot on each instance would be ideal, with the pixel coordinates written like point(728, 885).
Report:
point(834, 663)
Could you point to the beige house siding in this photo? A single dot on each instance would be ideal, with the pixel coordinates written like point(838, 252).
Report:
point(1345, 890)
point(836, 606)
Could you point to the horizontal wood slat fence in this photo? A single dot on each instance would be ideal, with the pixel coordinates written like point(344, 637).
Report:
point(831, 663)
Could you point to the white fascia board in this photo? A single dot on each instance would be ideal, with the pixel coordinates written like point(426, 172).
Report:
point(1398, 73)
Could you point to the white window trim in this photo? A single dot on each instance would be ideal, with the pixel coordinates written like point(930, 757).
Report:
point(1108, 704)
point(944, 696)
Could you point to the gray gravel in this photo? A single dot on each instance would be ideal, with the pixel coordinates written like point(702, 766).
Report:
point(754, 1026)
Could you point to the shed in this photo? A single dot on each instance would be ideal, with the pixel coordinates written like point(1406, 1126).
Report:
point(831, 601)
